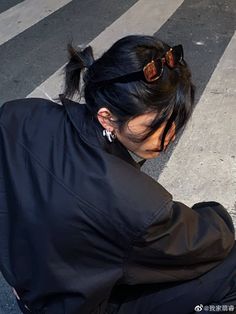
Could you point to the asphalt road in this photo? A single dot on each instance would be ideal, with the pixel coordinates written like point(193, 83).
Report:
point(206, 29)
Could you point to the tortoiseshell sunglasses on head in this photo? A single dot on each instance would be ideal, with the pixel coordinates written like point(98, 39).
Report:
point(152, 71)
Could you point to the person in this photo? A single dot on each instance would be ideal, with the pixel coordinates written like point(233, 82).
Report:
point(83, 229)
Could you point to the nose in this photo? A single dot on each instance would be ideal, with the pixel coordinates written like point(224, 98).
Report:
point(171, 139)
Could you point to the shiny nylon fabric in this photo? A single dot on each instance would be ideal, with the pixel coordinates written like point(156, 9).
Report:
point(77, 216)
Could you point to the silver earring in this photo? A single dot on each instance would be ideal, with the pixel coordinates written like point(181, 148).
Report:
point(109, 135)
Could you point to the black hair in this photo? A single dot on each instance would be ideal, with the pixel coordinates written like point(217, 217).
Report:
point(171, 97)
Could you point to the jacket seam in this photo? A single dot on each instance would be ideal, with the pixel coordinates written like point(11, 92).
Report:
point(59, 181)
point(138, 235)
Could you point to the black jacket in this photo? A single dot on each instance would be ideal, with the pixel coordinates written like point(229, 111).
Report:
point(77, 216)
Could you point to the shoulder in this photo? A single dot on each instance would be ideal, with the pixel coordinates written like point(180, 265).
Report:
point(24, 118)
point(22, 107)
point(17, 111)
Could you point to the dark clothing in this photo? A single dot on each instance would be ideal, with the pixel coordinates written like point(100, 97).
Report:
point(78, 217)
point(214, 290)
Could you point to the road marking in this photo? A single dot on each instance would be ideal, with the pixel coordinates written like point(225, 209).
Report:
point(197, 171)
point(24, 15)
point(203, 164)
point(144, 17)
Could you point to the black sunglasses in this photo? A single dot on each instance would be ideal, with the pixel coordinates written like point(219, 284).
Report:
point(152, 71)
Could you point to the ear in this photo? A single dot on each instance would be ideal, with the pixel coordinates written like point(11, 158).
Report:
point(105, 118)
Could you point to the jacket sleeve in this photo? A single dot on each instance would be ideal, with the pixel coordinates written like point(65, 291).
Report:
point(180, 244)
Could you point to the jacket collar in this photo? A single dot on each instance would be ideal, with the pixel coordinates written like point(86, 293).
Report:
point(91, 131)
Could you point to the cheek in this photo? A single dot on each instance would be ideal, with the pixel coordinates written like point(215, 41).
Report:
point(146, 148)
point(154, 141)
point(141, 149)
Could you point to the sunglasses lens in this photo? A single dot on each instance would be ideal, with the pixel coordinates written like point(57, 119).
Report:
point(170, 59)
point(153, 70)
point(174, 55)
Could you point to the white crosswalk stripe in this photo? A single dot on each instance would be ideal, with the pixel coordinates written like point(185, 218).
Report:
point(203, 165)
point(204, 159)
point(145, 17)
point(213, 151)
point(24, 15)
